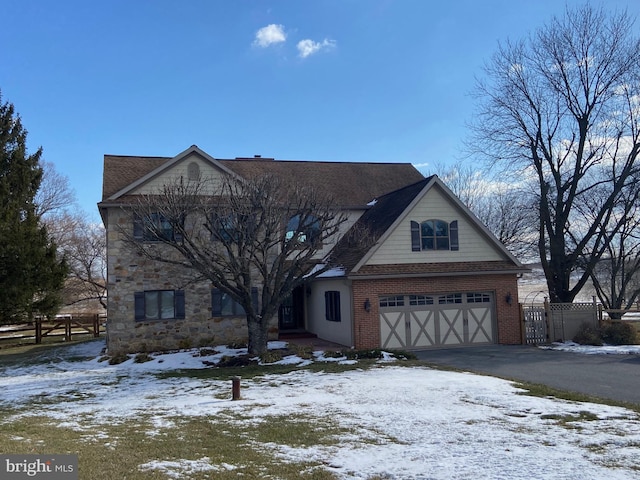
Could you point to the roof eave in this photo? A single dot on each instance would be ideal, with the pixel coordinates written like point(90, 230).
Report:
point(381, 276)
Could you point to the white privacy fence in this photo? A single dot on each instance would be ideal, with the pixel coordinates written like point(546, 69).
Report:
point(553, 322)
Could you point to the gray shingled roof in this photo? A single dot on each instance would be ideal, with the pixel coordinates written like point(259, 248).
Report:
point(374, 223)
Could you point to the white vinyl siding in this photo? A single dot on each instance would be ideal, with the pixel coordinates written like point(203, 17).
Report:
point(317, 322)
point(474, 246)
point(181, 169)
point(352, 217)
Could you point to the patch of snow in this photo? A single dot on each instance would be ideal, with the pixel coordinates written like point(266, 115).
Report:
point(181, 468)
point(372, 202)
point(387, 357)
point(405, 423)
point(276, 345)
point(593, 350)
point(288, 360)
point(320, 357)
point(331, 273)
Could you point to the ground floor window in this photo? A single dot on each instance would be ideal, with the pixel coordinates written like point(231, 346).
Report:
point(159, 304)
point(332, 305)
point(223, 305)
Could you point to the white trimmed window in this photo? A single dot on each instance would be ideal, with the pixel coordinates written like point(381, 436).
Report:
point(434, 234)
point(159, 305)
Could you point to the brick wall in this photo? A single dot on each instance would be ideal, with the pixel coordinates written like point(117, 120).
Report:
point(367, 324)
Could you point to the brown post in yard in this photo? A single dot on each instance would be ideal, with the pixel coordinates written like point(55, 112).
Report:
point(96, 325)
point(38, 330)
point(67, 329)
point(235, 388)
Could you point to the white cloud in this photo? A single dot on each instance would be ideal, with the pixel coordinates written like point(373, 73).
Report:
point(308, 47)
point(422, 165)
point(270, 35)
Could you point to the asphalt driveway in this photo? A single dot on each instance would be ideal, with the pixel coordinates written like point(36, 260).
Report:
point(615, 377)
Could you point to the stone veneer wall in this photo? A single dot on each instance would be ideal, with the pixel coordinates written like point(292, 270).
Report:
point(367, 324)
point(128, 272)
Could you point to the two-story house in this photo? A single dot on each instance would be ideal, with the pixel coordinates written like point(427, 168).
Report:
point(432, 276)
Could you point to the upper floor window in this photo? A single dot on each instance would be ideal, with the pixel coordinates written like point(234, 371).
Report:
point(304, 228)
point(153, 227)
point(434, 234)
point(159, 304)
point(224, 228)
point(232, 227)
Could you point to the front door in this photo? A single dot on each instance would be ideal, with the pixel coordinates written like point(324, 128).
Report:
point(291, 313)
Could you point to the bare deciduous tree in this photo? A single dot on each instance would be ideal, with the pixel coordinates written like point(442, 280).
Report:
point(81, 241)
point(84, 245)
point(505, 209)
point(55, 194)
point(616, 277)
point(265, 233)
point(562, 107)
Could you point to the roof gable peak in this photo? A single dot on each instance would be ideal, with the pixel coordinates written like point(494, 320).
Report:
point(192, 150)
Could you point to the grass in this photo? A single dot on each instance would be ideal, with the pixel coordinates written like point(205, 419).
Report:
point(116, 451)
point(25, 355)
point(113, 450)
point(236, 446)
point(255, 370)
point(543, 391)
point(24, 344)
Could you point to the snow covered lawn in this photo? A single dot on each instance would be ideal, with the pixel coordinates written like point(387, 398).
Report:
point(388, 421)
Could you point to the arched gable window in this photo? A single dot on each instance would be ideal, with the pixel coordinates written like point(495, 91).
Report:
point(434, 234)
point(193, 171)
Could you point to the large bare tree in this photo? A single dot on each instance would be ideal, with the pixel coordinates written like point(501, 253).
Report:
point(562, 107)
point(240, 234)
point(503, 207)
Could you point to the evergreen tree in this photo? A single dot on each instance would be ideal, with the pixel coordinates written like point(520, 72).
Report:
point(31, 274)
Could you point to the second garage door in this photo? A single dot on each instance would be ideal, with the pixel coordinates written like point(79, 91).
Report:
point(419, 321)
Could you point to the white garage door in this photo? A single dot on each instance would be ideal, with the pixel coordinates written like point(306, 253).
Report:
point(418, 321)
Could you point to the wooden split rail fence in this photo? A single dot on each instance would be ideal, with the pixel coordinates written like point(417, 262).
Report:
point(62, 327)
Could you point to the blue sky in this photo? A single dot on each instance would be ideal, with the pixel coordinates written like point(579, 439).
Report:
point(343, 80)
